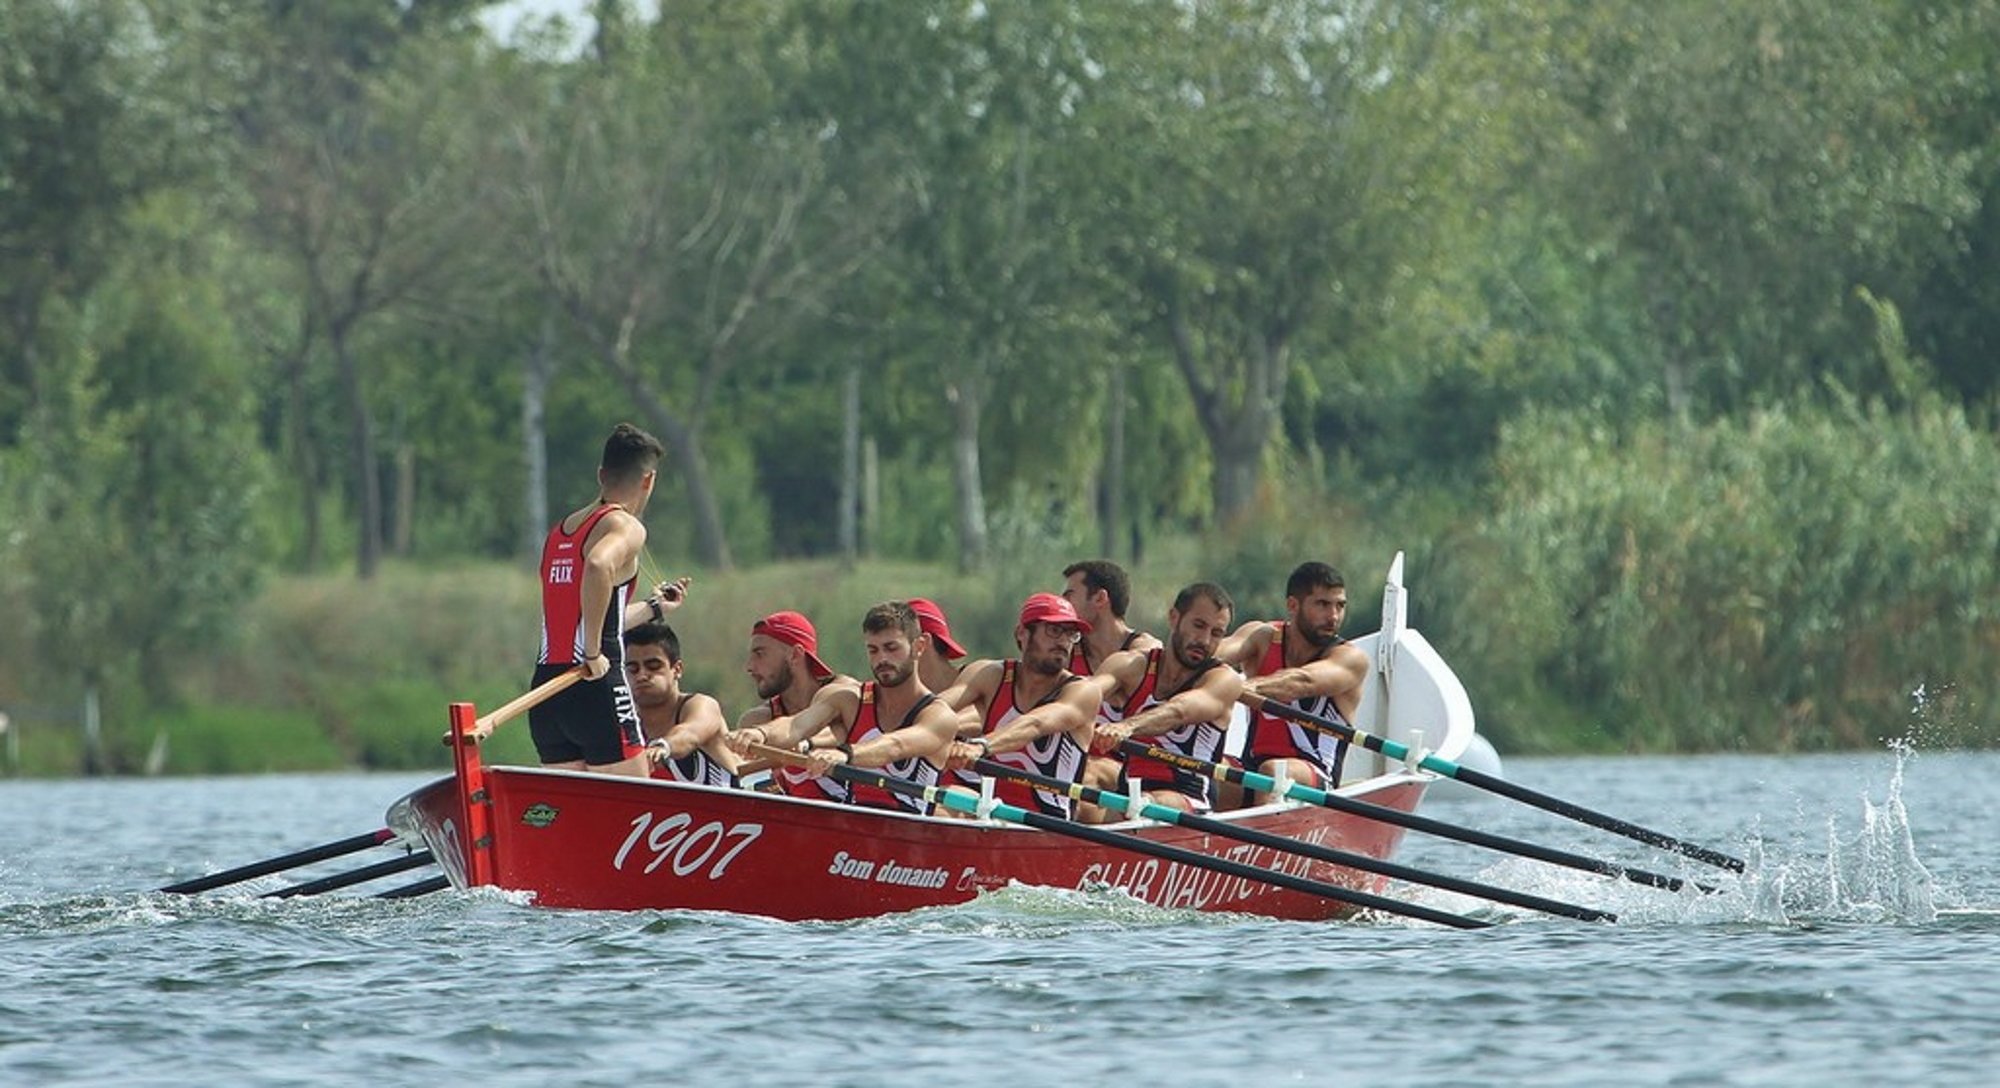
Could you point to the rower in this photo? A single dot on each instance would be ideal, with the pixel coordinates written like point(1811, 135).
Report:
point(1101, 591)
point(893, 721)
point(1032, 711)
point(1177, 697)
point(784, 663)
point(1300, 660)
point(684, 729)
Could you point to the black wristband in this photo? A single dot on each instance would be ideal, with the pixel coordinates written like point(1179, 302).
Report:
point(658, 612)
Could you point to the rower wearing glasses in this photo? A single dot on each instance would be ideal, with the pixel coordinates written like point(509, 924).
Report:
point(1031, 711)
point(684, 729)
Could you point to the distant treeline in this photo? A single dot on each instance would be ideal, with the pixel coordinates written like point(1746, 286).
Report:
point(1661, 336)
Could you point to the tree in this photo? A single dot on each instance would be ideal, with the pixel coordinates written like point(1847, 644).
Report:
point(364, 174)
point(680, 228)
point(1258, 181)
point(74, 153)
point(1738, 171)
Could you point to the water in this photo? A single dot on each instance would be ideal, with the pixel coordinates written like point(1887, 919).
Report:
point(1862, 950)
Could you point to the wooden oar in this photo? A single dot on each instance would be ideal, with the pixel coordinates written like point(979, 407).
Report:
point(1296, 791)
point(1501, 786)
point(520, 704)
point(1168, 815)
point(970, 804)
point(322, 852)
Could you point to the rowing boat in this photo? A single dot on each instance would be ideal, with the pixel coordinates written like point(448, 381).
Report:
point(597, 842)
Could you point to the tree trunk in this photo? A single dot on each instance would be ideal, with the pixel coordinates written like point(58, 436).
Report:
point(871, 497)
point(711, 545)
point(406, 499)
point(305, 467)
point(965, 476)
point(534, 438)
point(361, 435)
point(1237, 455)
point(682, 438)
point(1111, 484)
point(850, 467)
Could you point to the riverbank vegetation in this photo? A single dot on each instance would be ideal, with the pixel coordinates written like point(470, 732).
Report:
point(1660, 337)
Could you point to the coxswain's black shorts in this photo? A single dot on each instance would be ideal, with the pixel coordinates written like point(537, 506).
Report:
point(595, 721)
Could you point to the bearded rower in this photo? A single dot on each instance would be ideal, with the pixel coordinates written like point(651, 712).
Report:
point(1301, 660)
point(785, 665)
point(893, 721)
point(1032, 712)
point(1177, 697)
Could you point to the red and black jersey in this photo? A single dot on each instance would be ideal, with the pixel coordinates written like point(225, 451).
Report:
point(794, 781)
point(696, 766)
point(1202, 740)
point(1057, 756)
point(566, 638)
point(914, 769)
point(1273, 737)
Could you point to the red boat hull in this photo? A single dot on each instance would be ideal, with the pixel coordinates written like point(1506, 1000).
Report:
point(601, 843)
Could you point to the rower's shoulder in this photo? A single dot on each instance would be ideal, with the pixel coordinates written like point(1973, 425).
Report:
point(1242, 646)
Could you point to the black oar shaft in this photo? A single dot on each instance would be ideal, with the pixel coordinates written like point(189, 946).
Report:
point(282, 862)
point(1383, 814)
point(422, 887)
point(1504, 788)
point(1259, 837)
point(1191, 858)
point(357, 876)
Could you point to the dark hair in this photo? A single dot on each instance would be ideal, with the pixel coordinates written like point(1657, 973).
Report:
point(1310, 576)
point(893, 616)
point(1199, 590)
point(1108, 576)
point(629, 454)
point(656, 634)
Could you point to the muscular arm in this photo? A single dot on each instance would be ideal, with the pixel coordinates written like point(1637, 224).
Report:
point(975, 686)
point(1075, 709)
point(1207, 701)
point(702, 724)
point(833, 708)
point(1246, 644)
point(1118, 676)
point(1337, 676)
point(609, 558)
point(671, 596)
point(929, 736)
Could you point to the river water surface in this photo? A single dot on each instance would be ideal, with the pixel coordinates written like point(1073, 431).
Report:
point(1863, 948)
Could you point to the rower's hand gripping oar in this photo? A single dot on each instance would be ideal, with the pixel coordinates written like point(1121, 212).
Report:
point(972, 805)
point(1501, 786)
point(1168, 815)
point(1297, 791)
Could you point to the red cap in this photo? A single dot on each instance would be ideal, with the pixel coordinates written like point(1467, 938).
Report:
point(793, 629)
point(931, 618)
point(1049, 608)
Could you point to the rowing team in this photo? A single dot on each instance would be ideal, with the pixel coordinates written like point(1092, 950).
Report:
point(1083, 684)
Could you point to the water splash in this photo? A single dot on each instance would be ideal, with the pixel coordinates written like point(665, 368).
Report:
point(1869, 873)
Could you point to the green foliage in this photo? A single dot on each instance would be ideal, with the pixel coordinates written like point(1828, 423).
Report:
point(1785, 581)
point(1424, 278)
point(240, 740)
